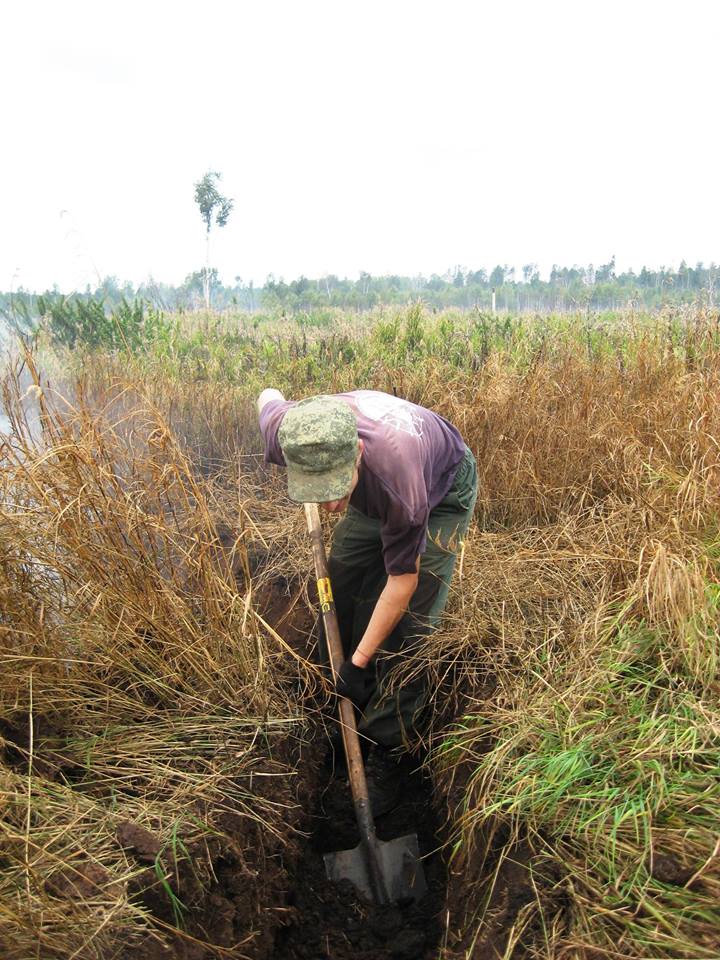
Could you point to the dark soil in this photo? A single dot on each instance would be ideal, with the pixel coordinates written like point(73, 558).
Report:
point(234, 914)
point(330, 920)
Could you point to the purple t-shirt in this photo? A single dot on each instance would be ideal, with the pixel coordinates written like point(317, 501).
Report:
point(410, 459)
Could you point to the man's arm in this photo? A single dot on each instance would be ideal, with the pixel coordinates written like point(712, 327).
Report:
point(270, 393)
point(391, 605)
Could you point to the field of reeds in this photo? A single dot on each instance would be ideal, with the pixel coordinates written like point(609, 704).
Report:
point(161, 714)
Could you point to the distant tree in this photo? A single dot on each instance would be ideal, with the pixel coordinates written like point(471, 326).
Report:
point(606, 272)
point(300, 285)
point(211, 204)
point(497, 277)
point(647, 278)
point(16, 311)
point(330, 282)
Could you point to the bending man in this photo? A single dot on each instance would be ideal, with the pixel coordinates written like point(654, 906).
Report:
point(407, 484)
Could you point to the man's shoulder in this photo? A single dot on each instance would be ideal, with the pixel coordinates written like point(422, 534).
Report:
point(273, 410)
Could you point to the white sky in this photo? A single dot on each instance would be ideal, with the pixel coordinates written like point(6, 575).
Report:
point(396, 137)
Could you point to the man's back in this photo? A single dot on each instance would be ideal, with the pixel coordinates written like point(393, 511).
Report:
point(410, 456)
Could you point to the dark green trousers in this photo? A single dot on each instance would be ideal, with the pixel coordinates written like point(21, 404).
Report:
point(357, 574)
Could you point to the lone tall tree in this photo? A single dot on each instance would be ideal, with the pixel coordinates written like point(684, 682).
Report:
point(211, 203)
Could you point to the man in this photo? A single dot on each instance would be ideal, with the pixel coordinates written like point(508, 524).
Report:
point(407, 484)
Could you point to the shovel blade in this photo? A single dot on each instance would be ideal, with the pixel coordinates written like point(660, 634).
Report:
point(399, 863)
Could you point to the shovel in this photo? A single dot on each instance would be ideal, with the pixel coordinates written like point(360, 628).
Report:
point(384, 871)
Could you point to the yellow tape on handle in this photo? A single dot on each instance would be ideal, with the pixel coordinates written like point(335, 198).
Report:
point(325, 594)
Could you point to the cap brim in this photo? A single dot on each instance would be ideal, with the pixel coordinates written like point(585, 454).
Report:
point(307, 487)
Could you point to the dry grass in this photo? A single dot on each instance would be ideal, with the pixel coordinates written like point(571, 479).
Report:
point(583, 650)
point(138, 684)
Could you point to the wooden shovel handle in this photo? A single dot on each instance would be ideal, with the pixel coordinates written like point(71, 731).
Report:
point(351, 740)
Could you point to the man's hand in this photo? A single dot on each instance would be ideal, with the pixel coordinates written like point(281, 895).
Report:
point(354, 683)
point(270, 393)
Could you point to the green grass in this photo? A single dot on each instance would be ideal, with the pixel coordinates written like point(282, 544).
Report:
point(623, 769)
point(306, 350)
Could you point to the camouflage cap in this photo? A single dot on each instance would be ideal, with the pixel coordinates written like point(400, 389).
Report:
point(319, 441)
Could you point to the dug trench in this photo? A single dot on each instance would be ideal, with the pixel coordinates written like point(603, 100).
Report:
point(330, 920)
point(323, 920)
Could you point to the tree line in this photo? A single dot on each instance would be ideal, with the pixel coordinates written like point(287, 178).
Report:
point(564, 289)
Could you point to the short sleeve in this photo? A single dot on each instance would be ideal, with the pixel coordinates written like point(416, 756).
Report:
point(270, 419)
point(403, 540)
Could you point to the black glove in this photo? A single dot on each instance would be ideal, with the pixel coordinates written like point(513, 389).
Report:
point(355, 683)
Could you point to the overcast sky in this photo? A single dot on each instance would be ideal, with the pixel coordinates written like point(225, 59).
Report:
point(393, 137)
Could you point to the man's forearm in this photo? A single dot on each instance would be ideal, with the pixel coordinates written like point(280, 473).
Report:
point(391, 605)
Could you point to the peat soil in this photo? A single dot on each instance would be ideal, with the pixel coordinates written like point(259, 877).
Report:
point(326, 919)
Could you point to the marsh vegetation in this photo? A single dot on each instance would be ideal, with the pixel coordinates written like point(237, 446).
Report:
point(161, 714)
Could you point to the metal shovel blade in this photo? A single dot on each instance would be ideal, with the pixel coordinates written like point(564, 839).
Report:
point(399, 863)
